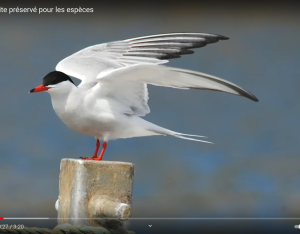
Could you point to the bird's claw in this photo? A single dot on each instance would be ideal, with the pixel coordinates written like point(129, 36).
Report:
point(84, 158)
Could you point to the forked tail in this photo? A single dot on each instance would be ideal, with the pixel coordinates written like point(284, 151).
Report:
point(164, 131)
point(153, 129)
point(182, 136)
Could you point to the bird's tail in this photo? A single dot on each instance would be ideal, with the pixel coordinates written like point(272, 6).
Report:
point(164, 131)
point(182, 136)
point(153, 129)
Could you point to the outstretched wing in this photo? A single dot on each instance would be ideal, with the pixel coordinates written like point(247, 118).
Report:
point(87, 63)
point(128, 84)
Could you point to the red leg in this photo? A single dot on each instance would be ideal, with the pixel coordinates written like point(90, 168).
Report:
point(102, 152)
point(97, 148)
point(96, 151)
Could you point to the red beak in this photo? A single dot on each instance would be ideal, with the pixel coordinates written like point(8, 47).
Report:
point(40, 88)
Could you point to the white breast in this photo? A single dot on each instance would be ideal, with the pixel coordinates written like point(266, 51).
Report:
point(81, 112)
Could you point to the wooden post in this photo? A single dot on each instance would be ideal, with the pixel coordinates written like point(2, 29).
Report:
point(95, 193)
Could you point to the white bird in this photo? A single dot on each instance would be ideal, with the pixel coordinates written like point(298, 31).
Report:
point(113, 93)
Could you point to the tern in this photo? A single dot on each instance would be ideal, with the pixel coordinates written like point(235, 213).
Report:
point(112, 97)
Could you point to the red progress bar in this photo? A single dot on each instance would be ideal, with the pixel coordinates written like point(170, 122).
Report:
point(1, 218)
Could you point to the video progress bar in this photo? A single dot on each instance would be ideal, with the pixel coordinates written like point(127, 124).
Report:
point(167, 218)
point(21, 218)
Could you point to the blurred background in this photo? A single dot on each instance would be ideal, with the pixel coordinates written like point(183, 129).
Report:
point(252, 170)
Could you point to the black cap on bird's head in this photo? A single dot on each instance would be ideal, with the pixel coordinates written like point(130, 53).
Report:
point(50, 79)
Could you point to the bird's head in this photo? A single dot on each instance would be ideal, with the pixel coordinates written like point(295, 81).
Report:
point(56, 82)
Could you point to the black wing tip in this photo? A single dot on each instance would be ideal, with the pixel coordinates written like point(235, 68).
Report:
point(255, 99)
point(186, 51)
point(221, 37)
point(170, 56)
point(251, 97)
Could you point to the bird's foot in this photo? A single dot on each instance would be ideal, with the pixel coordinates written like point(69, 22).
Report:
point(87, 158)
point(94, 159)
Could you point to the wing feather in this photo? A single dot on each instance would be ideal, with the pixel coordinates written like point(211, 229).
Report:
point(87, 63)
point(171, 77)
point(131, 98)
point(128, 85)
